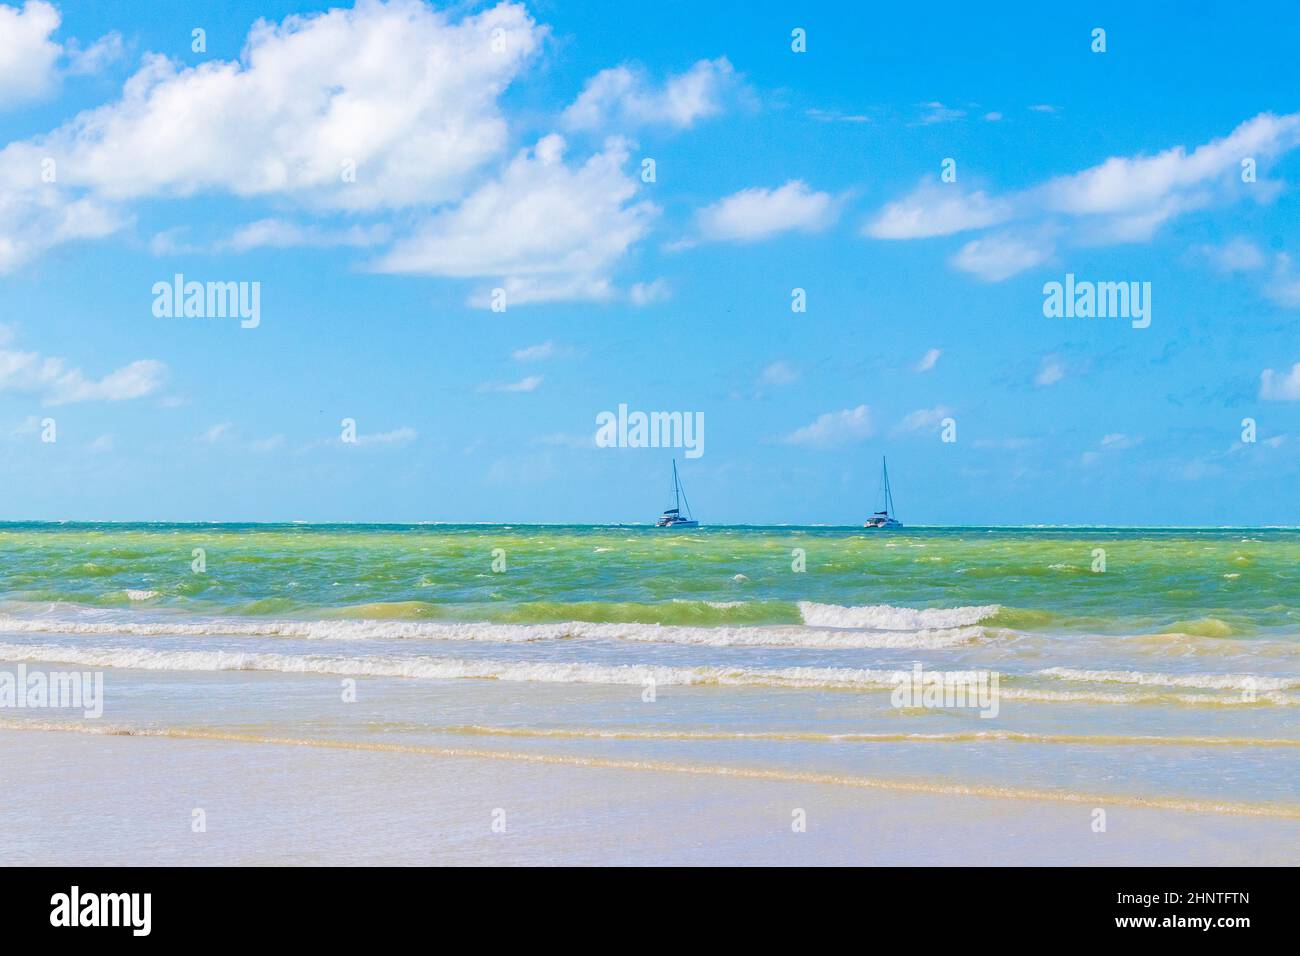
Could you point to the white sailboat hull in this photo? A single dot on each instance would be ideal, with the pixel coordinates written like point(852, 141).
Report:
point(680, 523)
point(883, 523)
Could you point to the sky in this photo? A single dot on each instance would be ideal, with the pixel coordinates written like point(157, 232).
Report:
point(472, 229)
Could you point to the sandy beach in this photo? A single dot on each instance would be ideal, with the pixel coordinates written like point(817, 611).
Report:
point(93, 799)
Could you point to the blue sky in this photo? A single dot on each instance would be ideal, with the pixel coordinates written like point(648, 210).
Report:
point(502, 148)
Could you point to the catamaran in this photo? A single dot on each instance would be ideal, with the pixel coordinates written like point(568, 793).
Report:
point(884, 519)
point(673, 518)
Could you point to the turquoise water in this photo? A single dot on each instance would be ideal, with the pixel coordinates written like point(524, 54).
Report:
point(1167, 667)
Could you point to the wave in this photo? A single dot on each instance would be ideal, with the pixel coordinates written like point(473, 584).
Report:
point(1241, 682)
point(361, 630)
point(1200, 627)
point(886, 617)
point(449, 668)
point(446, 668)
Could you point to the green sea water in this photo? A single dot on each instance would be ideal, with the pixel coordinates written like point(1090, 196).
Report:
point(1211, 583)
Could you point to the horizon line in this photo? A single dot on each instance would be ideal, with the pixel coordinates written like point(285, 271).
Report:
point(637, 524)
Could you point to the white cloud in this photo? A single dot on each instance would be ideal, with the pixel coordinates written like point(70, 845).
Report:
point(93, 59)
point(397, 88)
point(528, 290)
point(398, 436)
point(753, 214)
point(1172, 180)
point(217, 432)
point(778, 373)
point(993, 117)
point(1000, 256)
point(647, 293)
point(835, 116)
point(1042, 108)
point(32, 62)
point(535, 353)
point(57, 384)
point(1280, 386)
point(528, 384)
point(1117, 441)
point(1284, 285)
point(104, 443)
point(923, 418)
point(623, 97)
point(29, 56)
point(33, 221)
point(280, 234)
point(834, 428)
point(1121, 200)
point(928, 360)
point(1050, 371)
point(1236, 255)
point(937, 209)
point(401, 90)
point(550, 230)
point(938, 113)
point(270, 443)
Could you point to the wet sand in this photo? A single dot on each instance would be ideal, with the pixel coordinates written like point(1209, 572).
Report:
point(90, 799)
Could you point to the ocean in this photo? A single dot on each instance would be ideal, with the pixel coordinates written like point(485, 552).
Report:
point(1126, 670)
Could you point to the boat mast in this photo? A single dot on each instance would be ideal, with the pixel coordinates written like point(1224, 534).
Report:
point(889, 498)
point(677, 497)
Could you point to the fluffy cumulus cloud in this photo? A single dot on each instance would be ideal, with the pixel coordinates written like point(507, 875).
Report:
point(379, 107)
point(1122, 200)
point(379, 126)
point(624, 97)
point(753, 214)
point(397, 89)
point(29, 56)
point(545, 228)
point(32, 61)
point(834, 428)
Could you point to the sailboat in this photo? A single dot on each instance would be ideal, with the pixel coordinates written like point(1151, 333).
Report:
point(673, 518)
point(884, 519)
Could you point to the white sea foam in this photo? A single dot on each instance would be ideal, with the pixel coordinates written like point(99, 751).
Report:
point(446, 668)
point(140, 595)
point(577, 672)
point(887, 618)
point(362, 630)
point(1199, 681)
